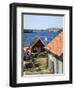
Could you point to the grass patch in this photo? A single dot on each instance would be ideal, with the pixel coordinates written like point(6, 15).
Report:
point(38, 63)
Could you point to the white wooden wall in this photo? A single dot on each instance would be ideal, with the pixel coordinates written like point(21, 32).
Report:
point(58, 65)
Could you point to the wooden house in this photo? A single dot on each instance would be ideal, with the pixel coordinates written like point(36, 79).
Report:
point(37, 45)
point(55, 54)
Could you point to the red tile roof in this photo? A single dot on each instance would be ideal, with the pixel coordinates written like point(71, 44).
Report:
point(56, 45)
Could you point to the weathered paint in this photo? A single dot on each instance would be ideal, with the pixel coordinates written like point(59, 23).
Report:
point(60, 66)
point(54, 64)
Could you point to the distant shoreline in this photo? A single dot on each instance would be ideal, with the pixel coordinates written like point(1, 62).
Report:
point(39, 30)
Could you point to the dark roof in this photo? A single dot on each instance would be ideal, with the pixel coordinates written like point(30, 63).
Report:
point(35, 40)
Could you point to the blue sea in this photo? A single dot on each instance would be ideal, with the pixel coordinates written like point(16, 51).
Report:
point(45, 36)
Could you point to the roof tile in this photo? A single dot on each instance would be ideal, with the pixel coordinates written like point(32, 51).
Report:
point(56, 45)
